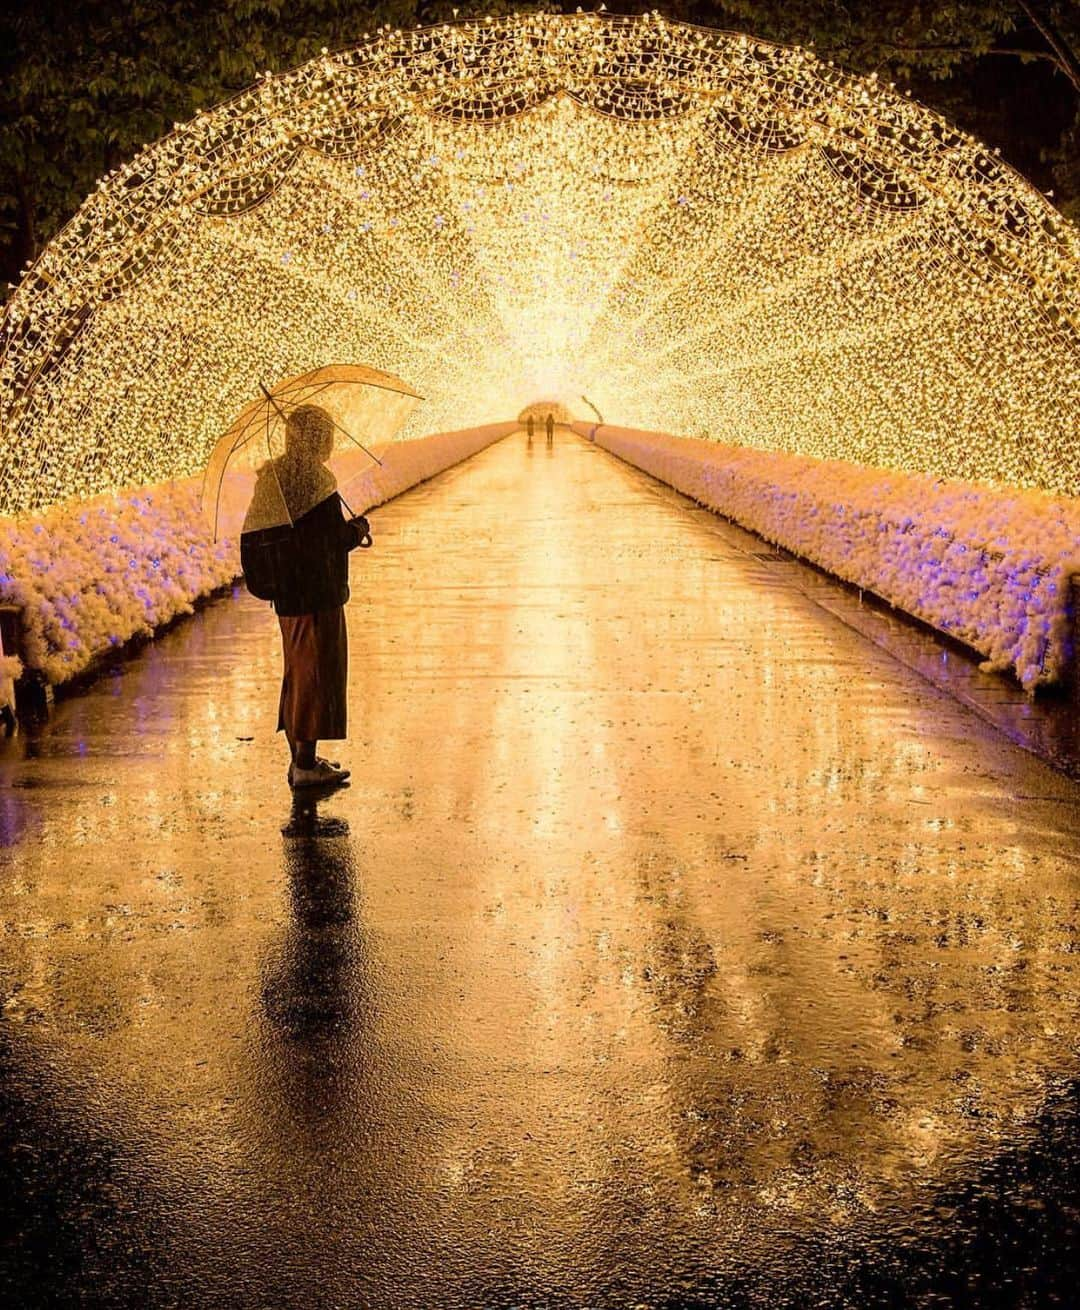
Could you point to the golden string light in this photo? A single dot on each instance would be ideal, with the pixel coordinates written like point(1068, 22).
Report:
point(701, 232)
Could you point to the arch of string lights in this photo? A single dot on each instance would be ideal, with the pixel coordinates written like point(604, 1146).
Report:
point(700, 232)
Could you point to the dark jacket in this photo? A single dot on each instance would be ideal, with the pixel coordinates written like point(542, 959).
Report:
point(302, 568)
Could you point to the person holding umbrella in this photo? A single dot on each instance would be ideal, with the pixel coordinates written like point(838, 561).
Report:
point(281, 478)
point(304, 572)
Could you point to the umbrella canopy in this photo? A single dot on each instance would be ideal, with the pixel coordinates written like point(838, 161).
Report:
point(298, 442)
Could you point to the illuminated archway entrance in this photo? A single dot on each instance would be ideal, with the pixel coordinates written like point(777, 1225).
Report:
point(540, 409)
point(701, 232)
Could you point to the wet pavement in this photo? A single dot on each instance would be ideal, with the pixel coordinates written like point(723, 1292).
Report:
point(673, 946)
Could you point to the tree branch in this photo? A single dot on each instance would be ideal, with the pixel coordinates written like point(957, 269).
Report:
point(1045, 56)
point(1066, 59)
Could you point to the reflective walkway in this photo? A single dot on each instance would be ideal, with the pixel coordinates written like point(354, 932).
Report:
point(673, 946)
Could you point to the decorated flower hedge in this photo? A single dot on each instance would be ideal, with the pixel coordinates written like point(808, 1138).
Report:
point(989, 565)
point(89, 576)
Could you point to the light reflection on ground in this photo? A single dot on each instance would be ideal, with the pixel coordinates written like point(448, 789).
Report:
point(669, 933)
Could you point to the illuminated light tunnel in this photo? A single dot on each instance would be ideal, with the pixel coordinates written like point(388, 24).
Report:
point(540, 409)
point(866, 325)
point(668, 940)
point(703, 233)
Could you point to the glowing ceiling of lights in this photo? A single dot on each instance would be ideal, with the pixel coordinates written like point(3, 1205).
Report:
point(702, 233)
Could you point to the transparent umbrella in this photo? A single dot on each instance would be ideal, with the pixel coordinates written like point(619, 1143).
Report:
point(296, 444)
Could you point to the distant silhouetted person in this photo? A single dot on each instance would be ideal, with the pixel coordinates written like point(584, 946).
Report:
point(549, 424)
point(303, 569)
point(530, 427)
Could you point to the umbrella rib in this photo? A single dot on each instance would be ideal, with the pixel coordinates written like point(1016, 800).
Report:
point(273, 462)
point(308, 386)
point(322, 386)
point(217, 503)
point(355, 442)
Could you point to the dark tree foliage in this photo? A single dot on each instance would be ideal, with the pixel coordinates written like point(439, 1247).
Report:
point(1006, 70)
point(85, 83)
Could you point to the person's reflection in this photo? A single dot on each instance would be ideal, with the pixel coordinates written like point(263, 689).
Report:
point(314, 991)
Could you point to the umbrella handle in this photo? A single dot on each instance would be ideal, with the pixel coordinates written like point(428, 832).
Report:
point(365, 541)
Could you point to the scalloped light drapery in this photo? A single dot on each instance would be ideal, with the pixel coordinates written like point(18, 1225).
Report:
point(701, 232)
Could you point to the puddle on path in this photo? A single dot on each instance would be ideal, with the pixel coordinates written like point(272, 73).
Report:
point(674, 946)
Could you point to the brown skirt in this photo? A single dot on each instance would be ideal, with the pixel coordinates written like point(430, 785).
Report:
point(316, 674)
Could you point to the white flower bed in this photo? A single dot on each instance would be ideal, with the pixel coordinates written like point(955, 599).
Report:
point(988, 565)
point(88, 576)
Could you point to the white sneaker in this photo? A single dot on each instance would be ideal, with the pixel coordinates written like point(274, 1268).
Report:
point(323, 774)
point(318, 760)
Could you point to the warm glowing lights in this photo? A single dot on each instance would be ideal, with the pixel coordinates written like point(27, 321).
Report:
point(700, 232)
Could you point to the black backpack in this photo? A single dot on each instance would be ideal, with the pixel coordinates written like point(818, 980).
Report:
point(304, 567)
point(268, 558)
